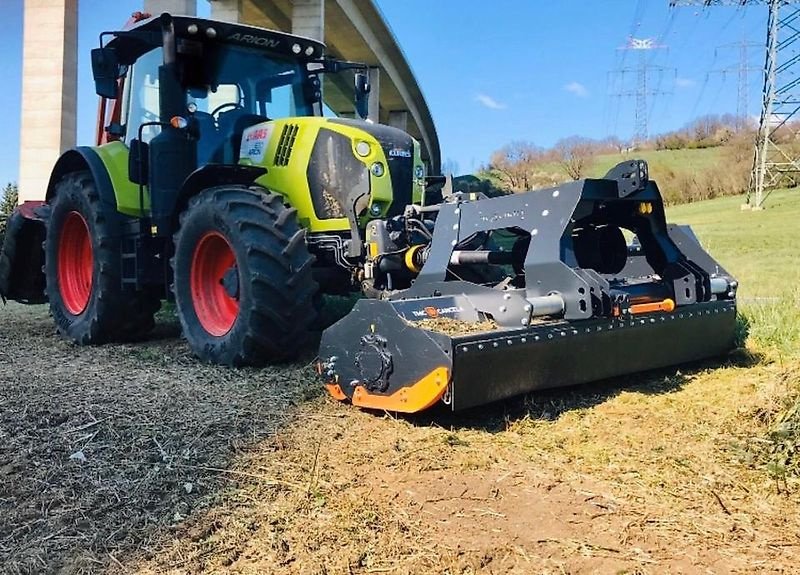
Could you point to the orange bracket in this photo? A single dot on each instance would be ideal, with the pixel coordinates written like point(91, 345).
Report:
point(421, 395)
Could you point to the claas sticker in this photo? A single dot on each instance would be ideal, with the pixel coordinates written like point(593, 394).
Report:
point(254, 143)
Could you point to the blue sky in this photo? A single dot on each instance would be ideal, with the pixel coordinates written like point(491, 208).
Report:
point(499, 71)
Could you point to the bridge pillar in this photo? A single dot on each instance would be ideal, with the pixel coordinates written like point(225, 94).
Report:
point(226, 10)
point(399, 119)
point(182, 7)
point(374, 95)
point(49, 91)
point(308, 18)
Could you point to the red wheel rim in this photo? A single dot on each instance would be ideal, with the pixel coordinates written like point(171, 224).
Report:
point(215, 308)
point(75, 264)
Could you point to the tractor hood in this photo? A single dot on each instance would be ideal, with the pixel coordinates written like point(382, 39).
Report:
point(336, 172)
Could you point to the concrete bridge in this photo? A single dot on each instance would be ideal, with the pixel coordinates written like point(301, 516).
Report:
point(352, 29)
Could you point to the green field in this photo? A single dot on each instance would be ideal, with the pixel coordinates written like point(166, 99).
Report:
point(675, 160)
point(762, 250)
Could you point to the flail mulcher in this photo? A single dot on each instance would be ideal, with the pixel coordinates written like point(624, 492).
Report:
point(550, 288)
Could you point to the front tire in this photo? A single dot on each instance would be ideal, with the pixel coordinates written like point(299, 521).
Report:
point(242, 277)
point(83, 269)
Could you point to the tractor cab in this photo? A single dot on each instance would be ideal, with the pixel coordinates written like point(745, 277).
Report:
point(179, 93)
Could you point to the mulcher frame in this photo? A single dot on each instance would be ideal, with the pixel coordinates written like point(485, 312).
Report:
point(376, 357)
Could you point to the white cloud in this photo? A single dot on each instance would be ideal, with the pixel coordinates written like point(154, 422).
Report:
point(577, 88)
point(684, 82)
point(489, 102)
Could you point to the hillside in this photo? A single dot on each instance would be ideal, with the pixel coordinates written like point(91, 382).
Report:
point(674, 160)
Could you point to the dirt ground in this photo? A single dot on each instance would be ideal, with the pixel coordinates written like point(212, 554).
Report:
point(103, 449)
point(137, 459)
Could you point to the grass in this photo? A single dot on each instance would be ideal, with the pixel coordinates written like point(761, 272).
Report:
point(762, 252)
point(685, 470)
point(690, 470)
point(675, 160)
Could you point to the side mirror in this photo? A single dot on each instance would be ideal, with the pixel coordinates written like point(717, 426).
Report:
point(106, 71)
point(362, 95)
point(138, 162)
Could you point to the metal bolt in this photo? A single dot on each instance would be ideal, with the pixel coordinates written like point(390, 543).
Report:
point(545, 213)
point(555, 194)
point(524, 321)
point(507, 296)
point(527, 307)
point(503, 309)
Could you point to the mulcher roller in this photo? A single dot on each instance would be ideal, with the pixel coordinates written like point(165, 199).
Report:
point(550, 288)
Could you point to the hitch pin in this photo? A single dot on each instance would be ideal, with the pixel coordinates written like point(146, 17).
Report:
point(667, 305)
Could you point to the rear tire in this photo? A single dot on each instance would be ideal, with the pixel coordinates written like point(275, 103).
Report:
point(242, 277)
point(83, 269)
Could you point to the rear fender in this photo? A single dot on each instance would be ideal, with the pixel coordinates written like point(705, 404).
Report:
point(22, 256)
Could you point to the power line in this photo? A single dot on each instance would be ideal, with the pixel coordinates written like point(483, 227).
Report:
point(775, 163)
point(643, 89)
point(742, 70)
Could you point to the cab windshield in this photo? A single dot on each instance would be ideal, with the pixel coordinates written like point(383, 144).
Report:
point(227, 90)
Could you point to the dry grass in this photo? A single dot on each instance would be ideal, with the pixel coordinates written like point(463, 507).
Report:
point(103, 450)
point(668, 472)
point(452, 326)
point(650, 477)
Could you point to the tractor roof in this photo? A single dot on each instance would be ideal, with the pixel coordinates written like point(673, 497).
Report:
point(143, 36)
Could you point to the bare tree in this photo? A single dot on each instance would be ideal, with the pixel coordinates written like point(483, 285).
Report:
point(574, 155)
point(515, 165)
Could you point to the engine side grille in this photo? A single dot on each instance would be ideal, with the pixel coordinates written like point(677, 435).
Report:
point(285, 145)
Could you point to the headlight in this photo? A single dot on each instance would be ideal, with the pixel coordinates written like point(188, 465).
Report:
point(363, 149)
point(377, 169)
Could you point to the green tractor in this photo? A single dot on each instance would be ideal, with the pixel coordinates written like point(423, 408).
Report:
point(215, 181)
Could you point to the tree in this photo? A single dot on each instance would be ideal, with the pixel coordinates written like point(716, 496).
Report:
point(574, 154)
point(8, 201)
point(515, 166)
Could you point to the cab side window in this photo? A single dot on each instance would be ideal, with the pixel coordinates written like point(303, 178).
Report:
point(141, 97)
